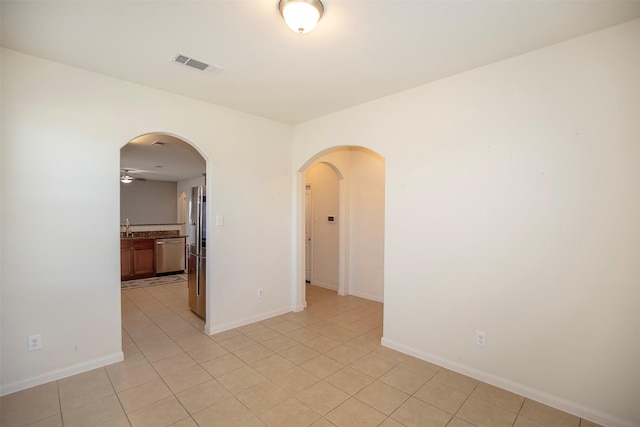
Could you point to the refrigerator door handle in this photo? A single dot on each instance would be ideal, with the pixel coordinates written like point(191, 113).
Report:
point(197, 278)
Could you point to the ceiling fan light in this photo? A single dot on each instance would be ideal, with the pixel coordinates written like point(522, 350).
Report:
point(301, 15)
point(126, 179)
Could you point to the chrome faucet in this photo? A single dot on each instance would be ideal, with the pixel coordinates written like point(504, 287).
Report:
point(127, 228)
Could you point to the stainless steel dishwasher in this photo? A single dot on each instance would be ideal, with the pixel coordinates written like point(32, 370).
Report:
point(170, 255)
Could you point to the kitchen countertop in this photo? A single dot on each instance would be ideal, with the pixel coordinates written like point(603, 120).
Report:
point(139, 235)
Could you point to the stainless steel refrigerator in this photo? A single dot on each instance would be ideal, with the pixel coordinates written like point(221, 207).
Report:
point(197, 252)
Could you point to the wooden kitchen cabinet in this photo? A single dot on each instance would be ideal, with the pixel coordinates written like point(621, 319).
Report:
point(137, 258)
point(126, 265)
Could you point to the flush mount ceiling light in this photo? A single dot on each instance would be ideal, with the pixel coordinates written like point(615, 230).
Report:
point(301, 15)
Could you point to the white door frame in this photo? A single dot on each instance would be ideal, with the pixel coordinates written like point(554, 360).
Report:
point(308, 233)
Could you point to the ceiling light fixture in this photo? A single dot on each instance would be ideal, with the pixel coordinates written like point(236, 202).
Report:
point(125, 178)
point(301, 15)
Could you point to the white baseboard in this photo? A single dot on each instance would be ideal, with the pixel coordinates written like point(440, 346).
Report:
point(324, 285)
point(520, 389)
point(366, 295)
point(61, 373)
point(216, 329)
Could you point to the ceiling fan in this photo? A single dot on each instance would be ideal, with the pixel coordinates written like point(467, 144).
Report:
point(126, 177)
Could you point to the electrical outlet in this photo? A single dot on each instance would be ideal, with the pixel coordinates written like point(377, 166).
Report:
point(260, 292)
point(481, 338)
point(35, 342)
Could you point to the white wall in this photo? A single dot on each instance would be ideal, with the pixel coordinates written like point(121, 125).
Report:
point(148, 202)
point(60, 256)
point(366, 231)
point(512, 206)
point(325, 187)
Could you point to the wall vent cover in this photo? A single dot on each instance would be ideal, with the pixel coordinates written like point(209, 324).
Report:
point(195, 64)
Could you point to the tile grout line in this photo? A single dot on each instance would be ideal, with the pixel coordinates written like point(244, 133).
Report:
point(324, 353)
point(292, 395)
point(158, 373)
point(462, 405)
point(117, 397)
point(59, 402)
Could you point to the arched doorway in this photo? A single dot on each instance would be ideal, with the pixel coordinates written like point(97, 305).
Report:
point(162, 169)
point(359, 222)
point(322, 226)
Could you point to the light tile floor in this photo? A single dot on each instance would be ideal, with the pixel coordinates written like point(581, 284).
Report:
point(321, 367)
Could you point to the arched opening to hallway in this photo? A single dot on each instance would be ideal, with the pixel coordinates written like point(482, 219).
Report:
point(322, 236)
point(346, 224)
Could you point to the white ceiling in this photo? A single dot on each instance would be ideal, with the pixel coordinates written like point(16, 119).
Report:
point(361, 49)
point(162, 158)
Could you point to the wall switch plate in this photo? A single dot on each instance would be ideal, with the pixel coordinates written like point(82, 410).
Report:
point(260, 292)
point(35, 342)
point(481, 338)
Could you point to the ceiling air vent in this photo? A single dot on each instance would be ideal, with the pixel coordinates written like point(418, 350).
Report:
point(198, 65)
